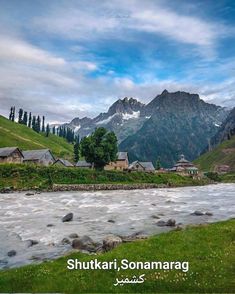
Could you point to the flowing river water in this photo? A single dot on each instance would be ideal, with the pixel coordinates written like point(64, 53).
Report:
point(26, 217)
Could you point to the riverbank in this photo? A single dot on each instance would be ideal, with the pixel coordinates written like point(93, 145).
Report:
point(15, 177)
point(210, 266)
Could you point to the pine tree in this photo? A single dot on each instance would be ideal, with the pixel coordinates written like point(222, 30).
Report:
point(10, 115)
point(76, 148)
point(47, 130)
point(13, 114)
point(43, 124)
point(158, 164)
point(30, 120)
point(53, 130)
point(38, 124)
point(20, 118)
point(34, 127)
point(25, 118)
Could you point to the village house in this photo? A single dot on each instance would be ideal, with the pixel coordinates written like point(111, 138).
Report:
point(63, 162)
point(84, 164)
point(145, 166)
point(11, 155)
point(41, 157)
point(185, 167)
point(222, 169)
point(121, 163)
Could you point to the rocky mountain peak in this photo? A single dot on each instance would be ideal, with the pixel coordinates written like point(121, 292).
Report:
point(125, 105)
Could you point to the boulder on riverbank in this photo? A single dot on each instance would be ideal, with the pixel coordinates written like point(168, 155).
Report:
point(110, 242)
point(84, 243)
point(73, 236)
point(68, 217)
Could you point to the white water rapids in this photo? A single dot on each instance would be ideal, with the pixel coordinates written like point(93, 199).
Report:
point(26, 217)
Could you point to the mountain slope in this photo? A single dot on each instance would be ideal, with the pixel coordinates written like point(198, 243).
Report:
point(226, 130)
point(180, 123)
point(123, 117)
point(224, 153)
point(13, 134)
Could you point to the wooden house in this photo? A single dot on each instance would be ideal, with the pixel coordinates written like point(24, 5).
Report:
point(145, 166)
point(84, 164)
point(41, 157)
point(185, 167)
point(11, 155)
point(121, 163)
point(63, 162)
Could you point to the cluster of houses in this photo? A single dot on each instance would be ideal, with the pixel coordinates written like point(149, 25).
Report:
point(46, 158)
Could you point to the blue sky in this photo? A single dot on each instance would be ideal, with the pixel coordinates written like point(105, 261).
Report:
point(73, 58)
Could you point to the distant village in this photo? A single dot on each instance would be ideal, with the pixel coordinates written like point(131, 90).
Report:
point(46, 158)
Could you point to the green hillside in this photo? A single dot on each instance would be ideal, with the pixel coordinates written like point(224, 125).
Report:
point(13, 134)
point(222, 154)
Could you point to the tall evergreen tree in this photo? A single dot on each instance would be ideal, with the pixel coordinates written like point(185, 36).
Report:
point(53, 130)
point(34, 126)
point(47, 130)
point(10, 115)
point(43, 124)
point(20, 118)
point(158, 164)
point(76, 149)
point(25, 118)
point(38, 124)
point(30, 120)
point(13, 114)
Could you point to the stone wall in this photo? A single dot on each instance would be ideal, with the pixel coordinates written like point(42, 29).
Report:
point(95, 187)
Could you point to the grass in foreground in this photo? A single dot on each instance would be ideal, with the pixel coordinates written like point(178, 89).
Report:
point(208, 248)
point(40, 177)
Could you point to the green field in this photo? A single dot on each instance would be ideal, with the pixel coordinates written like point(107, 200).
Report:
point(18, 135)
point(222, 154)
point(23, 176)
point(209, 249)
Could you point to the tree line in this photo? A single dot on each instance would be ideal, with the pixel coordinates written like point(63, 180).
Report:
point(37, 123)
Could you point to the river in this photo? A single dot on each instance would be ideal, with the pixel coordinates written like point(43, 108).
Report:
point(26, 217)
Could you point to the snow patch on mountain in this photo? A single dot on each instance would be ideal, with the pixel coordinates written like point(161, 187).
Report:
point(105, 121)
point(134, 114)
point(77, 128)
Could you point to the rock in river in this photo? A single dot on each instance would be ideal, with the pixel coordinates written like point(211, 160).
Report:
point(111, 242)
point(161, 223)
point(198, 213)
point(11, 253)
point(84, 243)
point(65, 241)
point(170, 223)
point(73, 236)
point(68, 217)
point(32, 242)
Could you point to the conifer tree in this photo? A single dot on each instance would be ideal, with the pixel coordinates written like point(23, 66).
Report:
point(34, 123)
point(30, 120)
point(38, 124)
point(10, 115)
point(76, 149)
point(20, 118)
point(25, 118)
point(53, 130)
point(13, 114)
point(158, 164)
point(43, 124)
point(47, 130)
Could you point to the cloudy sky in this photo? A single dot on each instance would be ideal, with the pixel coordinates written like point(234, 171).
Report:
point(68, 58)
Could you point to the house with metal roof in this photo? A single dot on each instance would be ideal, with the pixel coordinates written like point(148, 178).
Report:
point(83, 164)
point(41, 157)
point(121, 163)
point(63, 162)
point(146, 166)
point(11, 155)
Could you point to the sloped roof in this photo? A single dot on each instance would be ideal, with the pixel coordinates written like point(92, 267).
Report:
point(147, 165)
point(7, 151)
point(64, 162)
point(83, 163)
point(35, 154)
point(122, 156)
